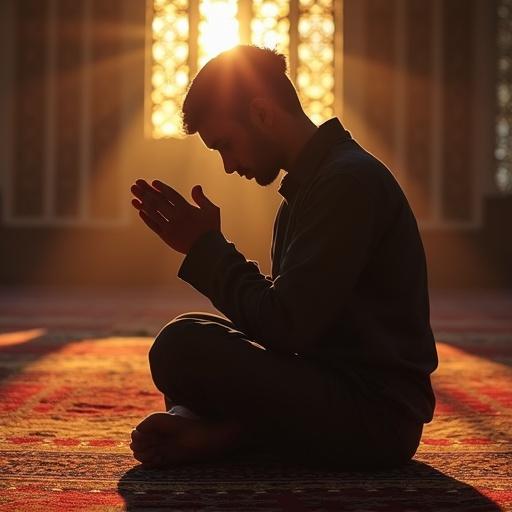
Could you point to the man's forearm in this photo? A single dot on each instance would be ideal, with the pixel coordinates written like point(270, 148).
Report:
point(239, 290)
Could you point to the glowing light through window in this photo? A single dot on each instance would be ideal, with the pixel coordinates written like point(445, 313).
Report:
point(270, 25)
point(315, 71)
point(175, 57)
point(169, 71)
point(218, 28)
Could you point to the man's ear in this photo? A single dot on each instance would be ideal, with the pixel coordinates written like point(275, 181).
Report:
point(262, 113)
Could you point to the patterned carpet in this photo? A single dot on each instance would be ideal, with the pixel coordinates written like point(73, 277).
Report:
point(74, 381)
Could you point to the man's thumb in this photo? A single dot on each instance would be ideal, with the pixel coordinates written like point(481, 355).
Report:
point(201, 200)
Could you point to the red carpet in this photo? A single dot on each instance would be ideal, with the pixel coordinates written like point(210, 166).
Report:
point(69, 401)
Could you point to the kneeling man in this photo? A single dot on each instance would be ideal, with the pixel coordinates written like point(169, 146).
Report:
point(327, 360)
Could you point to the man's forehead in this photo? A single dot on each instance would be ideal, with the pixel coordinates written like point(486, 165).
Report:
point(212, 131)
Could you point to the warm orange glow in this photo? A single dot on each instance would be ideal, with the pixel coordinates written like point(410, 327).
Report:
point(19, 337)
point(270, 25)
point(169, 71)
point(315, 72)
point(218, 28)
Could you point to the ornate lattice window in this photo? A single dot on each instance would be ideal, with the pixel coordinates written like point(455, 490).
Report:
point(185, 34)
point(503, 153)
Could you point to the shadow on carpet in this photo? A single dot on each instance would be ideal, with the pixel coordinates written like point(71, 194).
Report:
point(251, 485)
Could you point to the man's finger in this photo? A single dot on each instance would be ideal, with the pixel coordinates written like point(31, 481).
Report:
point(150, 197)
point(156, 226)
point(140, 188)
point(170, 194)
point(137, 204)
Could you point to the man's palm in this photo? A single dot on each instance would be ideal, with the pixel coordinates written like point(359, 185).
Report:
point(177, 222)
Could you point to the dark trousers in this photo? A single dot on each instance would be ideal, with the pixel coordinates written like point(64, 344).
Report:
point(287, 403)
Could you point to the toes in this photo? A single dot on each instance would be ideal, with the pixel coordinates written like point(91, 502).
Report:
point(146, 456)
point(155, 458)
point(163, 439)
point(136, 435)
point(139, 437)
point(141, 441)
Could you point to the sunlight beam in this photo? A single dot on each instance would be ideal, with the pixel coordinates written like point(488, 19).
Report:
point(218, 28)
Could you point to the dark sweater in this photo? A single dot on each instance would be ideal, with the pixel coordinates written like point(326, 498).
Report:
point(349, 279)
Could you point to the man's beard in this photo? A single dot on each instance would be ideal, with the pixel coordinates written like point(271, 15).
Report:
point(267, 177)
point(271, 166)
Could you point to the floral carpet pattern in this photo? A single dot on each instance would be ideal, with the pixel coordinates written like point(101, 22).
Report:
point(73, 383)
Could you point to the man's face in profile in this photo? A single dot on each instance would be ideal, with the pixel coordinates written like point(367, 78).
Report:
point(243, 148)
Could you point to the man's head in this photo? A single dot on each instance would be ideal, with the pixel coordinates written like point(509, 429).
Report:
point(241, 103)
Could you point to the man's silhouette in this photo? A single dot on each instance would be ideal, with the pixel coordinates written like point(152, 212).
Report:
point(328, 359)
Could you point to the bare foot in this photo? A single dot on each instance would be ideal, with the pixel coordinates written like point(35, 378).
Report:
point(163, 439)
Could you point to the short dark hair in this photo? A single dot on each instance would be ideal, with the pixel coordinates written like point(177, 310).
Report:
point(231, 79)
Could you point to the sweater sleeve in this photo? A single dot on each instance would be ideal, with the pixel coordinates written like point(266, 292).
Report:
point(328, 248)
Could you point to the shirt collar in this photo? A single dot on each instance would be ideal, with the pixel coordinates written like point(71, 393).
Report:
point(311, 156)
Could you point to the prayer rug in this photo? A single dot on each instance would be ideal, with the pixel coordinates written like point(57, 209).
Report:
point(69, 400)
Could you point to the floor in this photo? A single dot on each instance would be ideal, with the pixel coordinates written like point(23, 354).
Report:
point(67, 356)
point(454, 313)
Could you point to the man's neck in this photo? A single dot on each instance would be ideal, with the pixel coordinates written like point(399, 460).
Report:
point(298, 138)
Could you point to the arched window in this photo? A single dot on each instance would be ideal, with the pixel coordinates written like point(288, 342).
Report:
point(185, 34)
